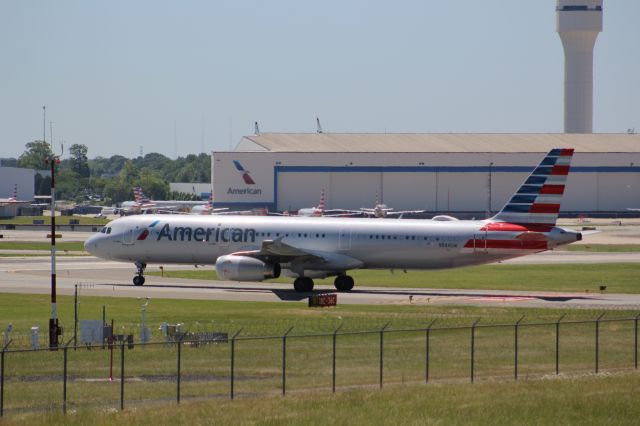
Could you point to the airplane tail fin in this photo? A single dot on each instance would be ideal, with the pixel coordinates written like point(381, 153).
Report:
point(321, 205)
point(538, 200)
point(137, 193)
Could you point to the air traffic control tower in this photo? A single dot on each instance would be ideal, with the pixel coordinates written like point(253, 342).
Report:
point(578, 24)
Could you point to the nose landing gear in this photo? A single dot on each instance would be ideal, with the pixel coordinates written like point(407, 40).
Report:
point(138, 280)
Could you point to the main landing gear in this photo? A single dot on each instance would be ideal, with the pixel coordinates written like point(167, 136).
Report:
point(305, 284)
point(138, 280)
point(343, 283)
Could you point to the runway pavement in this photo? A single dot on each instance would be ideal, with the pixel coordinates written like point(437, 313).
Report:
point(103, 278)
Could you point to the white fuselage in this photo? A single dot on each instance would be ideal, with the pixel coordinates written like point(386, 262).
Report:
point(376, 243)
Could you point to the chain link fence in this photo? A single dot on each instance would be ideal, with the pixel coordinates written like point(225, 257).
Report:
point(198, 364)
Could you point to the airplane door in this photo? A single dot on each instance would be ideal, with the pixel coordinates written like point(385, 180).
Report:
point(129, 236)
point(344, 239)
point(480, 242)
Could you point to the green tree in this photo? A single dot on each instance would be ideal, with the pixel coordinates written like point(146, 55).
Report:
point(35, 155)
point(69, 185)
point(79, 161)
point(152, 184)
point(116, 191)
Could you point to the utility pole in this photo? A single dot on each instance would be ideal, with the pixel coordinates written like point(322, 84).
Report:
point(54, 328)
point(44, 123)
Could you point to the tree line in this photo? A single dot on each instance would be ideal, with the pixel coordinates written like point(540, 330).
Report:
point(111, 180)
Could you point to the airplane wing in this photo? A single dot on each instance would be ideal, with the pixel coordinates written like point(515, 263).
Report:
point(406, 212)
point(281, 252)
point(342, 213)
point(278, 251)
point(226, 212)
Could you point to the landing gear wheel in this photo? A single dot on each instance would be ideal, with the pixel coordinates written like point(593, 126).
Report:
point(138, 280)
point(343, 283)
point(303, 284)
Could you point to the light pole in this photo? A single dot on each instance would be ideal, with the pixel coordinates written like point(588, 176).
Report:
point(44, 123)
point(54, 328)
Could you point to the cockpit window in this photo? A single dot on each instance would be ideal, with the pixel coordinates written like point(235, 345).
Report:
point(108, 230)
point(103, 230)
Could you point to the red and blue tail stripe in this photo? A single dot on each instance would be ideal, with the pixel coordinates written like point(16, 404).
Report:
point(538, 200)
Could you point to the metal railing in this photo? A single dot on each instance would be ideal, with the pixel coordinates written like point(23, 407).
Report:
point(20, 367)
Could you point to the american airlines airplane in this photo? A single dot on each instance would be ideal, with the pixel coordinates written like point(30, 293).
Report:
point(142, 204)
point(255, 248)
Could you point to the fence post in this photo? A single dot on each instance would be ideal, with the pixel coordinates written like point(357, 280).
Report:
point(231, 376)
point(75, 312)
point(333, 381)
point(122, 375)
point(598, 342)
point(473, 345)
point(284, 360)
point(515, 360)
point(426, 361)
point(558, 343)
point(382, 350)
point(635, 348)
point(2, 378)
point(64, 374)
point(179, 369)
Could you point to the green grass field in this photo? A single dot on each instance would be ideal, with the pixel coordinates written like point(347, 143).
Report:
point(60, 245)
point(601, 400)
point(618, 277)
point(60, 220)
point(34, 380)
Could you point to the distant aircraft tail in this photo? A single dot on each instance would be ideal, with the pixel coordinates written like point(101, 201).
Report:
point(538, 199)
point(321, 204)
point(14, 197)
point(138, 195)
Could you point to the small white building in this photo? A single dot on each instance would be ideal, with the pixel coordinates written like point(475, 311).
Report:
point(442, 173)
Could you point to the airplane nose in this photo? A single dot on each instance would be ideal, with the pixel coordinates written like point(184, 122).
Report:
point(91, 244)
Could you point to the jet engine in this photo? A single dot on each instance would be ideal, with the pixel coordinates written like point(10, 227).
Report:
point(244, 268)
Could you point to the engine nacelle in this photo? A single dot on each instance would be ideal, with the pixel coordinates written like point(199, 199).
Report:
point(244, 268)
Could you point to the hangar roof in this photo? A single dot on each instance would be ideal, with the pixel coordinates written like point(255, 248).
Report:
point(439, 142)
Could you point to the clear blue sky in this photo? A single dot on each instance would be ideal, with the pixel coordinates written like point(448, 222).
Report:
point(117, 75)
